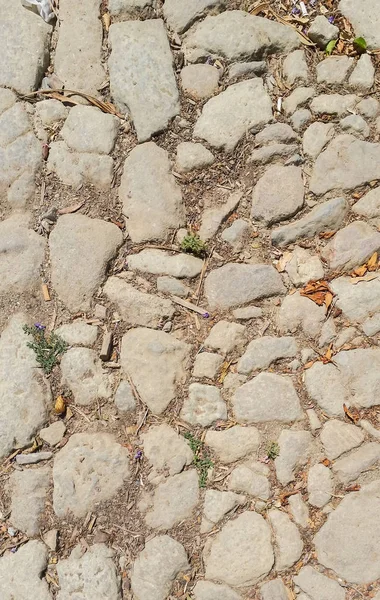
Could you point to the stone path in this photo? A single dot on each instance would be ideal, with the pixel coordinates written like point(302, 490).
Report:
point(210, 430)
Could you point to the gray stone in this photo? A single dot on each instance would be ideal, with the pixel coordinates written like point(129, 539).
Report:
point(76, 169)
point(82, 372)
point(314, 420)
point(288, 544)
point(328, 333)
point(206, 590)
point(250, 69)
point(48, 112)
point(152, 200)
point(278, 195)
point(207, 365)
point(257, 36)
point(141, 75)
point(274, 590)
point(268, 153)
point(226, 337)
point(119, 8)
point(166, 450)
point(264, 351)
point(51, 539)
point(214, 215)
point(368, 107)
point(372, 326)
point(299, 510)
point(351, 246)
point(345, 336)
point(295, 449)
point(33, 458)
point(78, 56)
point(355, 124)
point(203, 406)
point(357, 302)
point(338, 437)
point(179, 16)
point(225, 562)
point(368, 205)
point(24, 393)
point(333, 70)
point(234, 443)
point(91, 468)
point(333, 104)
point(252, 479)
point(135, 307)
point(316, 137)
point(159, 262)
point(78, 333)
point(200, 81)
point(216, 506)
point(327, 216)
point(300, 118)
point(22, 252)
point(364, 19)
point(88, 129)
point(318, 586)
point(28, 490)
point(124, 398)
point(363, 76)
point(235, 284)
point(236, 234)
point(170, 285)
point(174, 500)
point(156, 567)
point(53, 434)
point(295, 68)
point(304, 267)
point(226, 118)
point(351, 535)
point(299, 97)
point(247, 313)
point(157, 363)
point(319, 485)
point(192, 156)
point(322, 31)
point(349, 468)
point(277, 132)
point(94, 574)
point(21, 574)
point(267, 397)
point(300, 313)
point(25, 55)
point(14, 123)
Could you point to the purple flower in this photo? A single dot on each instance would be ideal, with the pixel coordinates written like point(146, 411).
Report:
point(206, 315)
point(138, 455)
point(39, 326)
point(331, 19)
point(295, 10)
point(313, 2)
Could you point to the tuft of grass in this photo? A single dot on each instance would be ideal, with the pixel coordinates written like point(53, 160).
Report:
point(273, 450)
point(47, 348)
point(201, 460)
point(193, 244)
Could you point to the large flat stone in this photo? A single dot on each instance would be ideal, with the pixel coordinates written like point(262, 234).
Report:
point(80, 168)
point(264, 351)
point(165, 449)
point(357, 301)
point(364, 17)
point(278, 195)
point(203, 406)
point(152, 200)
point(318, 586)
point(141, 75)
point(216, 506)
point(21, 574)
point(348, 468)
point(206, 590)
point(226, 118)
point(88, 129)
point(338, 437)
point(300, 313)
point(180, 15)
point(295, 449)
point(258, 37)
point(83, 374)
point(233, 443)
point(288, 542)
point(351, 246)
point(28, 491)
point(159, 262)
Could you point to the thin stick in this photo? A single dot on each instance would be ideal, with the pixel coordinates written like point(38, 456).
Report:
point(189, 305)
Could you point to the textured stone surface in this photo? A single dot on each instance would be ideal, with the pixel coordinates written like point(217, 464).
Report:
point(333, 70)
point(277, 132)
point(322, 31)
point(124, 398)
point(170, 285)
point(295, 447)
point(200, 81)
point(141, 75)
point(333, 104)
point(251, 69)
point(338, 437)
point(53, 434)
point(269, 153)
point(174, 500)
point(363, 76)
point(216, 506)
point(357, 301)
point(316, 136)
point(192, 156)
point(262, 352)
point(236, 235)
point(78, 333)
point(368, 205)
point(274, 590)
point(349, 468)
point(278, 195)
point(203, 406)
point(28, 490)
point(364, 19)
point(152, 200)
point(299, 510)
point(165, 449)
point(207, 365)
point(304, 267)
point(355, 124)
point(21, 574)
point(226, 336)
point(159, 262)
point(351, 246)
point(299, 97)
point(214, 215)
point(179, 16)
point(91, 468)
point(87, 129)
point(206, 590)
point(319, 485)
point(233, 443)
point(318, 586)
point(82, 372)
point(76, 169)
point(300, 313)
point(251, 478)
point(127, 7)
point(295, 68)
point(288, 543)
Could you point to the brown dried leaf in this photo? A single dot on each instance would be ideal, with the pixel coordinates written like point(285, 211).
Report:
point(225, 367)
point(373, 262)
point(368, 277)
point(317, 292)
point(309, 364)
point(328, 299)
point(355, 487)
point(60, 405)
point(71, 209)
point(326, 235)
point(359, 272)
point(326, 462)
point(351, 414)
point(106, 18)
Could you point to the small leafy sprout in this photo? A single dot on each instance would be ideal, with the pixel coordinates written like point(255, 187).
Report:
point(273, 450)
point(47, 347)
point(192, 243)
point(201, 460)
point(330, 47)
point(360, 45)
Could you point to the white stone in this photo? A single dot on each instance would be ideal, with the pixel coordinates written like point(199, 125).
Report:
point(295, 448)
point(333, 70)
point(300, 313)
point(29, 490)
point(124, 398)
point(191, 156)
point(88, 129)
point(322, 31)
point(318, 586)
point(295, 68)
point(21, 574)
point(216, 506)
point(200, 81)
point(349, 467)
point(234, 443)
point(206, 590)
point(226, 337)
point(299, 97)
point(338, 437)
point(264, 351)
point(364, 19)
point(299, 510)
point(278, 194)
point(165, 449)
point(174, 500)
point(304, 267)
point(363, 76)
point(316, 136)
point(53, 434)
point(179, 15)
point(78, 333)
point(203, 406)
point(333, 104)
point(159, 262)
point(79, 168)
point(288, 543)
point(214, 215)
point(207, 365)
point(170, 285)
point(355, 124)
point(251, 478)
point(351, 246)
point(319, 485)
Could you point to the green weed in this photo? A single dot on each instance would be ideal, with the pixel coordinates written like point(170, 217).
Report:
point(47, 347)
point(193, 244)
point(273, 450)
point(201, 460)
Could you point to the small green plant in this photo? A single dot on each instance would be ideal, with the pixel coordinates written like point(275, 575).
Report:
point(48, 348)
point(360, 45)
point(192, 243)
point(273, 450)
point(201, 460)
point(330, 47)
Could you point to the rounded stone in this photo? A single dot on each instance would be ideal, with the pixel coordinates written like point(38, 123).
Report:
point(200, 81)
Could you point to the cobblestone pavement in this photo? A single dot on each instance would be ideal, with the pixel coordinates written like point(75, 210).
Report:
point(190, 300)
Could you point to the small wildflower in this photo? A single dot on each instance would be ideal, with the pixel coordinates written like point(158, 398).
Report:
point(295, 10)
point(39, 326)
point(331, 19)
point(138, 455)
point(206, 315)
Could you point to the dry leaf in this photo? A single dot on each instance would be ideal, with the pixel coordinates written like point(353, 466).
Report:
point(225, 367)
point(351, 414)
point(326, 235)
point(309, 364)
point(328, 356)
point(357, 195)
point(368, 277)
point(283, 261)
point(355, 487)
point(359, 272)
point(71, 209)
point(319, 292)
point(326, 462)
point(106, 107)
point(373, 262)
point(60, 405)
point(106, 18)
point(328, 299)
point(285, 495)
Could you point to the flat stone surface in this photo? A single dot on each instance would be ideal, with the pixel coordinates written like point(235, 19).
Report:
point(363, 76)
point(157, 363)
point(141, 75)
point(316, 136)
point(78, 54)
point(174, 500)
point(25, 53)
point(203, 406)
point(166, 450)
point(200, 81)
point(48, 112)
point(180, 16)
point(192, 156)
point(88, 129)
point(207, 365)
point(368, 107)
point(322, 31)
point(214, 215)
point(79, 168)
point(319, 485)
point(333, 104)
point(333, 70)
point(156, 567)
point(225, 562)
point(251, 478)
point(269, 153)
point(226, 337)
point(277, 132)
point(288, 545)
point(119, 8)
point(237, 234)
point(170, 285)
point(53, 434)
point(247, 313)
point(262, 352)
point(234, 443)
point(327, 216)
point(216, 506)
point(83, 373)
point(159, 262)
point(124, 398)
point(274, 590)
point(267, 397)
point(235, 284)
point(355, 124)
point(357, 302)
point(299, 510)
point(21, 574)
point(299, 97)
point(351, 535)
point(295, 448)
point(301, 118)
point(28, 491)
point(80, 249)
point(364, 19)
point(351, 246)
point(226, 118)
point(258, 37)
point(304, 267)
point(137, 308)
point(94, 574)
point(152, 200)
point(368, 205)
point(318, 586)
point(251, 69)
point(349, 468)
point(278, 195)
point(24, 393)
point(295, 68)
point(300, 313)
point(91, 468)
point(78, 333)
point(338, 437)
point(206, 590)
